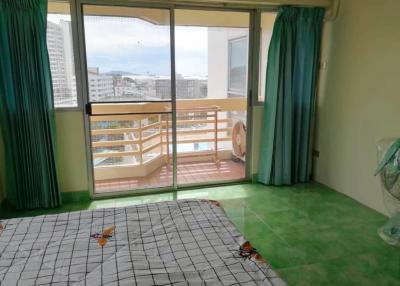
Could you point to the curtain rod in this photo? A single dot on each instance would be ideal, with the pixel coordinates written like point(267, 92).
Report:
point(332, 6)
point(218, 4)
point(248, 3)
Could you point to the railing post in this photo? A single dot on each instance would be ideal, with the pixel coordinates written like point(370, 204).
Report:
point(216, 135)
point(160, 130)
point(140, 142)
point(167, 138)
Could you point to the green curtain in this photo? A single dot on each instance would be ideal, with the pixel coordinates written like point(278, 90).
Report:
point(293, 59)
point(26, 106)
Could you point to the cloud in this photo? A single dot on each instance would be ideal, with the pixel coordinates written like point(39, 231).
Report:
point(109, 35)
point(138, 46)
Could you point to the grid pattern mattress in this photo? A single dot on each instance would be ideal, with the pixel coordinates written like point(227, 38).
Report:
point(184, 242)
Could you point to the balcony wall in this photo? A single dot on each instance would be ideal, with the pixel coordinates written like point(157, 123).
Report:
point(136, 140)
point(73, 171)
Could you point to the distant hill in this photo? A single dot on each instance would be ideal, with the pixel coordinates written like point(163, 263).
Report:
point(120, 73)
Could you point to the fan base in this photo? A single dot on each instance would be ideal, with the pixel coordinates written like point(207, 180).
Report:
point(390, 231)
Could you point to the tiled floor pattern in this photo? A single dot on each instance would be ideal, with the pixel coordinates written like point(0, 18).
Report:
point(310, 234)
point(187, 173)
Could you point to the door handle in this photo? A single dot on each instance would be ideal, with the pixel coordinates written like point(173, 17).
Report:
point(88, 108)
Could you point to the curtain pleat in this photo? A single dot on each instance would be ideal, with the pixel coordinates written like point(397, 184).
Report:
point(26, 106)
point(285, 155)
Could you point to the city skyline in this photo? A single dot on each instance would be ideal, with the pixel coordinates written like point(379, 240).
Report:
point(108, 85)
point(125, 67)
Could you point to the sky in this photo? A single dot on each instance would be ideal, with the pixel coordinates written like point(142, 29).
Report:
point(137, 46)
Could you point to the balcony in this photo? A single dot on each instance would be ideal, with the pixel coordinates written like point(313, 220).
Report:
point(132, 143)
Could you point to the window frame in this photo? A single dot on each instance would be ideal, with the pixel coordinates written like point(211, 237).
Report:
point(254, 37)
point(253, 68)
point(76, 58)
point(230, 42)
point(257, 53)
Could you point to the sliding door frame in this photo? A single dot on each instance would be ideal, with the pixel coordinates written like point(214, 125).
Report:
point(78, 34)
point(248, 164)
point(86, 98)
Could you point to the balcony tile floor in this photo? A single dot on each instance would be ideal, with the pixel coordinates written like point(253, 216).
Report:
point(311, 235)
point(188, 173)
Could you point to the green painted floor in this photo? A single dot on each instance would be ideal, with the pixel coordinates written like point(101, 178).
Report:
point(310, 234)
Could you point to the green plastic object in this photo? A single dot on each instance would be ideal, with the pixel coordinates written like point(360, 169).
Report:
point(389, 172)
point(389, 156)
point(390, 231)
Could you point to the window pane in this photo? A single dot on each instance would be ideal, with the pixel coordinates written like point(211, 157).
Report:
point(59, 45)
point(267, 25)
point(211, 65)
point(238, 65)
point(128, 53)
point(203, 53)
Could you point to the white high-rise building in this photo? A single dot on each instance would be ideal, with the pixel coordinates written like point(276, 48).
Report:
point(101, 86)
point(59, 45)
point(55, 47)
point(68, 55)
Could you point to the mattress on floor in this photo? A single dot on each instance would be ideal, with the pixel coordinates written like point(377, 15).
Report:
point(186, 242)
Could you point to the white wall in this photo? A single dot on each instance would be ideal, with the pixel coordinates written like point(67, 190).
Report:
point(359, 98)
point(267, 26)
point(217, 83)
point(72, 171)
point(218, 62)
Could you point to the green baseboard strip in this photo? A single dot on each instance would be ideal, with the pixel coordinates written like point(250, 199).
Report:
point(75, 197)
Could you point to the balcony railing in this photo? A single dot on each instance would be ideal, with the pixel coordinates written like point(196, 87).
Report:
point(134, 145)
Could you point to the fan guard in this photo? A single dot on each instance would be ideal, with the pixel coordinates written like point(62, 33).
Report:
point(239, 140)
point(390, 179)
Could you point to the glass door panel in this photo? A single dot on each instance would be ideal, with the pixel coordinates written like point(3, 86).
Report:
point(129, 83)
point(211, 52)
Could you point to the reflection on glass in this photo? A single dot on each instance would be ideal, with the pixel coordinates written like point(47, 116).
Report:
point(238, 65)
point(59, 46)
point(267, 25)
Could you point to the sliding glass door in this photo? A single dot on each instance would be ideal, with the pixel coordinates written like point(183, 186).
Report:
point(128, 54)
point(211, 52)
point(152, 125)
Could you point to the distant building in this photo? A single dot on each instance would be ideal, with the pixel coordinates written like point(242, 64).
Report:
point(163, 88)
point(150, 87)
point(60, 51)
point(55, 46)
point(142, 87)
point(68, 55)
point(101, 86)
point(186, 88)
point(134, 88)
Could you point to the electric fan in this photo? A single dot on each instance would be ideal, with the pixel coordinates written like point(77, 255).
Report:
point(389, 171)
point(239, 140)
